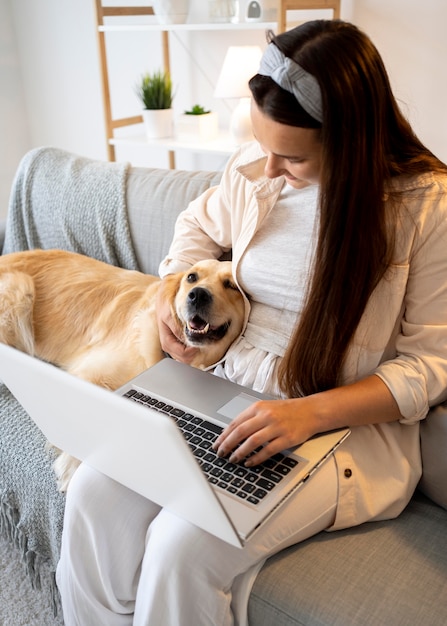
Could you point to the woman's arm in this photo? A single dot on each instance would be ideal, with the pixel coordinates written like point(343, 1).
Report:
point(280, 424)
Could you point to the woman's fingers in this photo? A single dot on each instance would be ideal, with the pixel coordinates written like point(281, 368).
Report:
point(259, 432)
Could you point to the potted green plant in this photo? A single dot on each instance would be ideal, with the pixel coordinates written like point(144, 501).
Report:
point(156, 95)
point(197, 109)
point(197, 123)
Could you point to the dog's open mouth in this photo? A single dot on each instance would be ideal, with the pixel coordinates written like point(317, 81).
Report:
point(198, 330)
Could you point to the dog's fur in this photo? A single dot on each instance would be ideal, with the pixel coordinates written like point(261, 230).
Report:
point(98, 321)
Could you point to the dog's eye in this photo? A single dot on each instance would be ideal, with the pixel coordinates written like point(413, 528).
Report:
point(229, 284)
point(192, 278)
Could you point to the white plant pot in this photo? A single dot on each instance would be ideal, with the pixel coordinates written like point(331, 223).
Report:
point(171, 11)
point(197, 127)
point(158, 123)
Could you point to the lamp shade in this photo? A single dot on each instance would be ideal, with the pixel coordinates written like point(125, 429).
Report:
point(240, 64)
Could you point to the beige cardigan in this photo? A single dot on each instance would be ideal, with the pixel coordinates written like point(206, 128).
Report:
point(402, 336)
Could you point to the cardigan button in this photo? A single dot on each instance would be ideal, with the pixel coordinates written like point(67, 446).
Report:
point(348, 473)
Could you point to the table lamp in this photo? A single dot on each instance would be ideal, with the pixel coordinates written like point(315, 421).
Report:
point(240, 64)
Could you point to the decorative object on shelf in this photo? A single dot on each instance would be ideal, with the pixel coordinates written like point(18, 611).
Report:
point(197, 124)
point(222, 10)
point(256, 11)
point(240, 64)
point(171, 11)
point(156, 95)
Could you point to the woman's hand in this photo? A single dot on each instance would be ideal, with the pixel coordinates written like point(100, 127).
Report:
point(273, 424)
point(280, 424)
point(170, 333)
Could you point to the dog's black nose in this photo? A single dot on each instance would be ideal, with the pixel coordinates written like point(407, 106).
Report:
point(199, 297)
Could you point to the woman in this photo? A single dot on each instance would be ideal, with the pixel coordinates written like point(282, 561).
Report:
point(337, 219)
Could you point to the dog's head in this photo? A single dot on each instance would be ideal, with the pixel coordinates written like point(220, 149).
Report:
point(209, 308)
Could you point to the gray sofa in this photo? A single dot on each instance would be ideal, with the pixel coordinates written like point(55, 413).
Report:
point(387, 573)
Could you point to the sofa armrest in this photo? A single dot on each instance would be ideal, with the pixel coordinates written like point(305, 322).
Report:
point(2, 234)
point(434, 455)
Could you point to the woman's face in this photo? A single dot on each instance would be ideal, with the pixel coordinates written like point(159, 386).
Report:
point(292, 152)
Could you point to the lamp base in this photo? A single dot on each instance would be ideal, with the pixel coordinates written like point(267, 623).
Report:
point(240, 124)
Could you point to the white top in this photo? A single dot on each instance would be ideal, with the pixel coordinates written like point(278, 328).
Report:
point(267, 269)
point(266, 272)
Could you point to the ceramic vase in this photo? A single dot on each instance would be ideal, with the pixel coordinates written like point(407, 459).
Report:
point(171, 11)
point(222, 10)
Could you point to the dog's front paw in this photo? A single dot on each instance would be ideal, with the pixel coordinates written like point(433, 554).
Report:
point(64, 467)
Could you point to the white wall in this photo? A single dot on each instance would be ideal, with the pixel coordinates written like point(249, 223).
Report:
point(411, 37)
point(14, 128)
point(49, 74)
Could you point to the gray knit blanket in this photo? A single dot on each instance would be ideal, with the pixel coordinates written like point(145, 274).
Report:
point(58, 200)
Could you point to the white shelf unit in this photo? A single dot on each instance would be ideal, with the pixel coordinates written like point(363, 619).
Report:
point(220, 146)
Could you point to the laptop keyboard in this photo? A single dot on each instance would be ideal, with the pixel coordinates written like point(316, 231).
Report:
point(249, 484)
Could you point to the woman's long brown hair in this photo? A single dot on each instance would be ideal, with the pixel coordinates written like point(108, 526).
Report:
point(365, 142)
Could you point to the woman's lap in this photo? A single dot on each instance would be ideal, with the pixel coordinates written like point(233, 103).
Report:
point(121, 554)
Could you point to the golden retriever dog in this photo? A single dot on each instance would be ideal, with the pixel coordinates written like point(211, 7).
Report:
point(98, 321)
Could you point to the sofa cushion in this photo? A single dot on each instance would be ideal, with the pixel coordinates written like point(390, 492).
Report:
point(434, 455)
point(391, 572)
point(155, 197)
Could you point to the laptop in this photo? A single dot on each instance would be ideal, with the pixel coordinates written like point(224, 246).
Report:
point(154, 435)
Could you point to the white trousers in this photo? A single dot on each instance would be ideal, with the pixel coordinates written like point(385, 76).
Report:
point(124, 560)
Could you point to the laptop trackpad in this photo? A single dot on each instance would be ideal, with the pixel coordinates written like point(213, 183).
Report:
point(235, 406)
